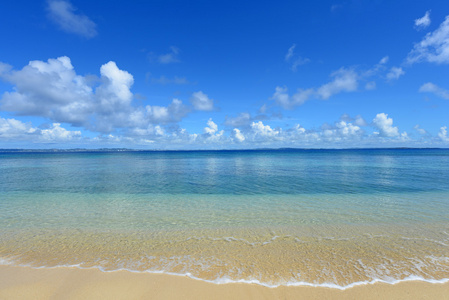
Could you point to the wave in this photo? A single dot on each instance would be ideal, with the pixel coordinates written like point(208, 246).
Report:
point(227, 280)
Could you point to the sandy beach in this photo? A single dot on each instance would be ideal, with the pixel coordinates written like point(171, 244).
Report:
point(73, 283)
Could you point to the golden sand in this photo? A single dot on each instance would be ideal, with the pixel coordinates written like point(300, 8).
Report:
point(274, 258)
point(71, 283)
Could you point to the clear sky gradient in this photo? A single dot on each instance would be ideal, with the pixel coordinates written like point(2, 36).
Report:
point(224, 74)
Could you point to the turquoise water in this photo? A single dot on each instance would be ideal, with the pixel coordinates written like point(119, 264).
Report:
point(334, 217)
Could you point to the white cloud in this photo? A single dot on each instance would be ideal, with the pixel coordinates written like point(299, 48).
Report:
point(263, 131)
point(395, 73)
point(53, 90)
point(237, 135)
point(420, 130)
point(49, 89)
point(150, 131)
point(442, 134)
point(359, 121)
point(344, 80)
point(211, 127)
point(64, 15)
point(384, 60)
point(161, 114)
point(290, 52)
point(282, 98)
point(423, 22)
point(242, 119)
point(58, 134)
point(114, 93)
point(385, 125)
point(433, 88)
point(342, 131)
point(293, 59)
point(171, 57)
point(245, 119)
point(211, 133)
point(434, 47)
point(12, 129)
point(201, 101)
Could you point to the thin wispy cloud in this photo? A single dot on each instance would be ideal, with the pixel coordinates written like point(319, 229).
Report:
point(270, 93)
point(295, 60)
point(170, 57)
point(166, 80)
point(65, 15)
point(343, 80)
point(423, 22)
point(395, 73)
point(434, 47)
point(429, 87)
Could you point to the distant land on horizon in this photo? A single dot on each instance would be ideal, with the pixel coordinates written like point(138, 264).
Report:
point(207, 150)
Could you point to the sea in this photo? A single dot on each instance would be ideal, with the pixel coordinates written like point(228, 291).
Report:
point(334, 218)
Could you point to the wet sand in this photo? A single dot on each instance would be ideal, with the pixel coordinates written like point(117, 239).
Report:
point(74, 283)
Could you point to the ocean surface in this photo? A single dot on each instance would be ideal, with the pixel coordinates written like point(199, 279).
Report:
point(333, 218)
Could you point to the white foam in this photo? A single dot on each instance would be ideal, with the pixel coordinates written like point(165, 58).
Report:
point(227, 280)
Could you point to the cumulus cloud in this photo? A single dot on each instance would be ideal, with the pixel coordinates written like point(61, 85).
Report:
point(53, 90)
point(342, 131)
point(201, 101)
point(161, 114)
point(434, 47)
point(63, 13)
point(395, 73)
point(211, 127)
point(385, 125)
point(237, 135)
point(211, 133)
point(49, 89)
point(442, 134)
point(12, 129)
point(150, 131)
point(423, 22)
point(58, 134)
point(262, 131)
point(170, 57)
point(429, 87)
point(114, 93)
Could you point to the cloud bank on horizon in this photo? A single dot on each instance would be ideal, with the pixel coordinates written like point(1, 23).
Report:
point(334, 104)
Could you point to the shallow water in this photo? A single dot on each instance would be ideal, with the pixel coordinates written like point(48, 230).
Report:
point(321, 217)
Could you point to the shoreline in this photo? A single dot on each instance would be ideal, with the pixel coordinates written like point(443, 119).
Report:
point(18, 282)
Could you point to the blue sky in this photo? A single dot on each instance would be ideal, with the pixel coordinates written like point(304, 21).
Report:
point(224, 74)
